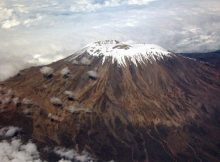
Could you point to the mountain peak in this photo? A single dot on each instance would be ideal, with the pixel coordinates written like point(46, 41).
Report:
point(150, 112)
point(119, 51)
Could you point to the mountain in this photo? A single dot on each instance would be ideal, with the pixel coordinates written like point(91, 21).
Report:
point(209, 57)
point(121, 102)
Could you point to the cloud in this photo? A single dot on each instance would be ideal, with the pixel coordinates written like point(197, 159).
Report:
point(5, 13)
point(40, 32)
point(56, 101)
point(91, 5)
point(70, 95)
point(92, 74)
point(30, 21)
point(65, 71)
point(62, 160)
point(71, 154)
point(46, 70)
point(21, 8)
point(10, 64)
point(139, 2)
point(84, 6)
point(9, 131)
point(16, 14)
point(10, 23)
point(16, 151)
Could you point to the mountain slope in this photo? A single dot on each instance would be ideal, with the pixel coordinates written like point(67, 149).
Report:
point(124, 102)
point(210, 57)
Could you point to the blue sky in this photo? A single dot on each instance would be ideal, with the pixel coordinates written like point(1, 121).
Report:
point(34, 32)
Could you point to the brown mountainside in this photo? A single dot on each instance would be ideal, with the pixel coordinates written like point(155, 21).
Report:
point(165, 109)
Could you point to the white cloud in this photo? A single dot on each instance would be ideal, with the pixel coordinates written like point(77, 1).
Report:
point(56, 101)
point(21, 8)
point(92, 74)
point(62, 160)
point(70, 95)
point(15, 151)
point(15, 14)
point(30, 21)
point(5, 100)
point(85, 61)
point(179, 26)
point(7, 24)
point(9, 131)
point(65, 71)
point(46, 70)
point(26, 101)
point(84, 6)
point(71, 154)
point(8, 69)
point(139, 2)
point(5, 13)
point(15, 100)
point(91, 5)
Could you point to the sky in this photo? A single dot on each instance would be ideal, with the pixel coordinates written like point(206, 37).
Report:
point(37, 32)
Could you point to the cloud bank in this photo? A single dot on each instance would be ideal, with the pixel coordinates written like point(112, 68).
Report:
point(39, 32)
point(13, 149)
point(16, 151)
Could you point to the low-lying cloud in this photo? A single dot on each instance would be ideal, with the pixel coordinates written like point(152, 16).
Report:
point(39, 32)
point(15, 150)
point(9, 131)
point(71, 154)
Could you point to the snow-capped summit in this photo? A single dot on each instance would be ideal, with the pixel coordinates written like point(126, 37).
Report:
point(119, 51)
